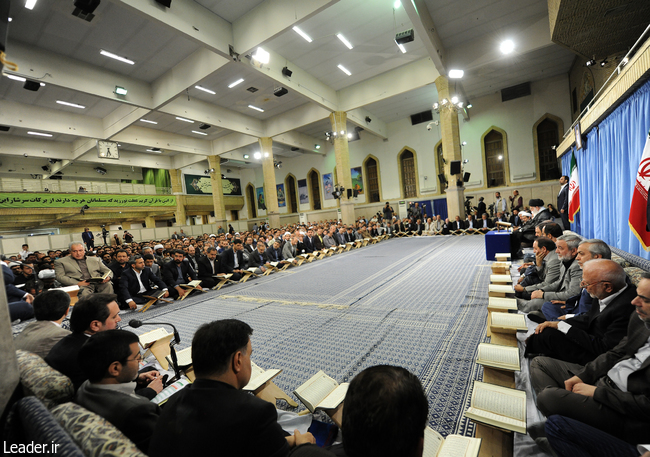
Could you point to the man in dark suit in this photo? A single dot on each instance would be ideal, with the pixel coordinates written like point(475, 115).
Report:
point(258, 259)
point(214, 411)
point(50, 308)
point(232, 261)
point(249, 244)
point(485, 224)
point(274, 253)
point(110, 360)
point(19, 301)
point(193, 256)
point(136, 282)
point(178, 272)
point(318, 239)
point(307, 244)
point(118, 266)
point(611, 393)
point(208, 267)
point(457, 226)
point(582, 338)
point(563, 201)
point(88, 239)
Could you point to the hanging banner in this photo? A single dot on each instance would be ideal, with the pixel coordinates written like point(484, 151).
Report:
point(282, 201)
point(328, 186)
point(202, 185)
point(357, 180)
point(259, 192)
point(302, 191)
point(46, 200)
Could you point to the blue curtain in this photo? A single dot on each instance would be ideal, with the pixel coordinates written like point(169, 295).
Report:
point(607, 168)
point(439, 207)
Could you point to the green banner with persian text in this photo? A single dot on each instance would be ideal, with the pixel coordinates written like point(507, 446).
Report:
point(44, 200)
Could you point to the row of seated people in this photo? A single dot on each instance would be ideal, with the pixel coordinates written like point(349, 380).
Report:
point(590, 346)
point(104, 366)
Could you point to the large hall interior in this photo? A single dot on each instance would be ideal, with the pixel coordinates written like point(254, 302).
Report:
point(162, 117)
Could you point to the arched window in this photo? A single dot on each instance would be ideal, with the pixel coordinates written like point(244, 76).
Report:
point(547, 140)
point(495, 159)
point(313, 181)
point(290, 187)
point(252, 202)
point(407, 170)
point(372, 180)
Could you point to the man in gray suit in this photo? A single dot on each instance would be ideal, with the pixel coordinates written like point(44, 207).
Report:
point(568, 284)
point(111, 361)
point(611, 393)
point(50, 308)
point(77, 269)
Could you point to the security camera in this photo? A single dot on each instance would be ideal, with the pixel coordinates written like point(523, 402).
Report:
point(431, 124)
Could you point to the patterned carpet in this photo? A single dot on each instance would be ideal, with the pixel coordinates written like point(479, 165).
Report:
point(419, 303)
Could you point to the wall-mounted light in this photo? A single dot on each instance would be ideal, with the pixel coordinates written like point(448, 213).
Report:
point(120, 90)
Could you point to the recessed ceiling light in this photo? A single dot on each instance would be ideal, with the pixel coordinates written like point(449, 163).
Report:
point(29, 4)
point(507, 47)
point(157, 151)
point(199, 133)
point(116, 57)
point(184, 120)
point(397, 4)
point(148, 122)
point(302, 34)
point(39, 133)
point(262, 56)
point(344, 70)
point(317, 146)
point(256, 108)
point(205, 90)
point(402, 48)
point(456, 74)
point(345, 42)
point(120, 90)
point(239, 81)
point(74, 105)
point(246, 156)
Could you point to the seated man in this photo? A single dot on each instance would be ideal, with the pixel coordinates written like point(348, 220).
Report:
point(274, 253)
point(567, 285)
point(50, 308)
point(328, 240)
point(178, 272)
point(547, 268)
point(150, 262)
point(395, 400)
point(110, 360)
point(118, 266)
point(136, 283)
point(214, 409)
point(232, 262)
point(259, 259)
point(76, 269)
point(611, 393)
point(290, 249)
point(485, 224)
point(208, 268)
point(318, 240)
point(307, 244)
point(20, 307)
point(471, 226)
point(457, 226)
point(583, 338)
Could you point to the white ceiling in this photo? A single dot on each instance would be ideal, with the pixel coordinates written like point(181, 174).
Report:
point(370, 25)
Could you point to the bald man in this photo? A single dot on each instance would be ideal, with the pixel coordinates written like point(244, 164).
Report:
point(582, 338)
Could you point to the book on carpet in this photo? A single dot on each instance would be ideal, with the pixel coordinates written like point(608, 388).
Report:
point(321, 392)
point(498, 406)
point(496, 356)
point(222, 276)
point(501, 304)
point(502, 256)
point(170, 390)
point(508, 322)
point(306, 256)
point(500, 278)
point(97, 279)
point(454, 446)
point(195, 283)
point(184, 357)
point(274, 264)
point(156, 294)
point(501, 289)
point(251, 269)
point(150, 338)
point(67, 289)
point(259, 376)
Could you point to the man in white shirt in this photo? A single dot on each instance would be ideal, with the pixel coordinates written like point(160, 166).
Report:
point(135, 284)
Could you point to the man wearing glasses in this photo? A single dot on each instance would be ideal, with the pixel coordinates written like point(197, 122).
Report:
point(111, 361)
point(582, 338)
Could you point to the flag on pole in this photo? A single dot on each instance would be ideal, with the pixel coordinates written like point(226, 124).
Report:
point(639, 210)
point(574, 189)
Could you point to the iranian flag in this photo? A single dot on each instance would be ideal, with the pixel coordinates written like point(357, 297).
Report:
point(639, 210)
point(574, 189)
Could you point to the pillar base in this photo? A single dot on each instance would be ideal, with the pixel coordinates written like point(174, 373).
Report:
point(455, 202)
point(347, 212)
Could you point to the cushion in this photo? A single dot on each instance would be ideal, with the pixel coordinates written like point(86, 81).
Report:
point(43, 381)
point(635, 274)
point(94, 434)
point(620, 260)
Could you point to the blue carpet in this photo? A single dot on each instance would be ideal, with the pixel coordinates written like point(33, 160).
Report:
point(419, 303)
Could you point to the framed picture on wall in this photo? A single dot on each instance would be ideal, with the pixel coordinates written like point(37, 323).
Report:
point(578, 133)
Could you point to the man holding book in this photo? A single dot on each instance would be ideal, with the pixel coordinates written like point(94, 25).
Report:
point(213, 412)
point(135, 284)
point(89, 273)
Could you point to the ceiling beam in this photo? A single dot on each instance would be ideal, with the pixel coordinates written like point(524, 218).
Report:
point(376, 126)
point(295, 118)
point(185, 160)
point(231, 142)
point(62, 71)
point(143, 136)
point(271, 18)
point(27, 147)
point(299, 140)
point(190, 19)
point(424, 27)
point(121, 118)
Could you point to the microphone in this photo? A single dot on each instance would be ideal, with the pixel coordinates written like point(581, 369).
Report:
point(135, 323)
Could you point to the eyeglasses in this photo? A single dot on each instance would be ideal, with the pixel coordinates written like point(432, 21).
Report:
point(137, 358)
point(584, 285)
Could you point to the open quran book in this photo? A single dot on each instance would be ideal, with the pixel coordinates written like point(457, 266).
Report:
point(184, 357)
point(501, 304)
point(496, 356)
point(498, 406)
point(501, 279)
point(170, 390)
point(158, 335)
point(96, 279)
point(454, 446)
point(195, 283)
point(499, 288)
point(259, 377)
point(321, 392)
point(508, 322)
